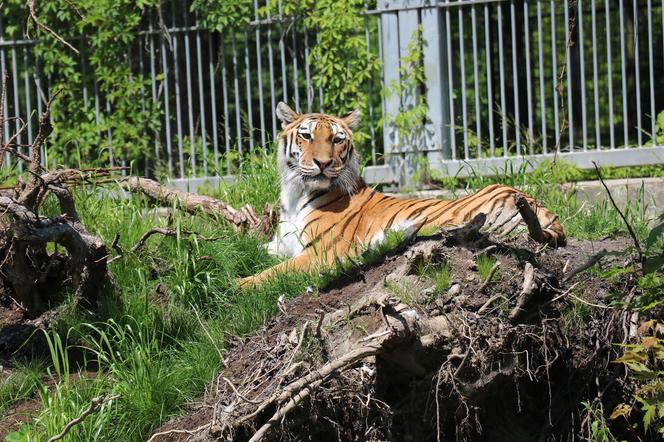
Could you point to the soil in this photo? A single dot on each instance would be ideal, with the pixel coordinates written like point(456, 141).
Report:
point(491, 379)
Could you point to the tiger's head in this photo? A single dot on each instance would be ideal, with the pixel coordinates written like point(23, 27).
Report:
point(316, 151)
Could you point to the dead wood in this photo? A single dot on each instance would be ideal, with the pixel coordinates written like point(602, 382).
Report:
point(632, 234)
point(31, 271)
point(246, 218)
point(366, 360)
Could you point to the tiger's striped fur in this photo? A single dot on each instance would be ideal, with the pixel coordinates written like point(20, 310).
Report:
point(328, 212)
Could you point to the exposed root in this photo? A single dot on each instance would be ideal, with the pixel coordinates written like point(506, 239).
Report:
point(379, 364)
point(245, 218)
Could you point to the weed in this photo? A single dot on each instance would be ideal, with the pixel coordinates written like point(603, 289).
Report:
point(404, 292)
point(20, 383)
point(484, 265)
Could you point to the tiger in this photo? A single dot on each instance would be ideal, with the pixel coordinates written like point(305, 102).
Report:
point(328, 212)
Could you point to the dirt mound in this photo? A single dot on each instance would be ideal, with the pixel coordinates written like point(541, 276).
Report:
point(456, 337)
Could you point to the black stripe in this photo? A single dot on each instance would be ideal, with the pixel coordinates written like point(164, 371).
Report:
point(315, 196)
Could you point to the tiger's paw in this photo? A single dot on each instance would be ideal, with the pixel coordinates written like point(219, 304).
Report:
point(248, 283)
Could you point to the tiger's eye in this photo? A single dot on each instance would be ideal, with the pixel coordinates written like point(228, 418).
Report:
point(306, 135)
point(337, 140)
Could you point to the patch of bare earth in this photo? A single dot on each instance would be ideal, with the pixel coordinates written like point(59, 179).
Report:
point(381, 355)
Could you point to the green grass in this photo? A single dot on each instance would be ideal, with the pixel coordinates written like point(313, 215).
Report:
point(157, 351)
point(438, 272)
point(484, 265)
point(19, 384)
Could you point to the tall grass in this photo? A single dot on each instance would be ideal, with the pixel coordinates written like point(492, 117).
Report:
point(158, 337)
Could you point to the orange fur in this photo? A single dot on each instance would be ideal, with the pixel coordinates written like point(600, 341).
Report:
point(332, 218)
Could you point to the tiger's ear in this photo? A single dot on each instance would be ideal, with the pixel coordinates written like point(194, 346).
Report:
point(285, 114)
point(352, 119)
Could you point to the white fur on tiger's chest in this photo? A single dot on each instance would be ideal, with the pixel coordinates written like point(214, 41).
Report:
point(289, 240)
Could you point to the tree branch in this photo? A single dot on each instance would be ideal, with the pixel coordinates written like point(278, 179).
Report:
point(637, 244)
point(33, 16)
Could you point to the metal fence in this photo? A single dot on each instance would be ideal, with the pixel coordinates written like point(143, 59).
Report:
point(514, 81)
point(507, 81)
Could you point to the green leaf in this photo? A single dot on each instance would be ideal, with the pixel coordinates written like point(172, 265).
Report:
point(654, 263)
point(22, 435)
point(655, 234)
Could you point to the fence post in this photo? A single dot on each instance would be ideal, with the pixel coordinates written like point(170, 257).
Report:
point(435, 59)
point(391, 102)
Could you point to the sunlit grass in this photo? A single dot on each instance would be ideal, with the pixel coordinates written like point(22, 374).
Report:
point(158, 336)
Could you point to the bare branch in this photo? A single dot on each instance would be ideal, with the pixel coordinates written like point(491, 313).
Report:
point(3, 96)
point(488, 279)
point(33, 16)
point(527, 291)
point(169, 232)
point(244, 218)
point(94, 406)
point(637, 244)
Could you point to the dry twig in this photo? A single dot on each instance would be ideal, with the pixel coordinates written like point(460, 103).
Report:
point(527, 291)
point(637, 244)
point(94, 406)
point(488, 279)
point(245, 218)
point(33, 16)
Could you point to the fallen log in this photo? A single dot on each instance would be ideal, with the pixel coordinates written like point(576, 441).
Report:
point(245, 218)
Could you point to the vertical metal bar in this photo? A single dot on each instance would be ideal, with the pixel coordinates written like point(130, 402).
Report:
point(167, 112)
point(320, 88)
point(17, 105)
point(515, 78)
point(28, 98)
point(153, 81)
point(478, 118)
point(224, 88)
point(582, 62)
point(296, 88)
point(540, 53)
point(84, 77)
point(141, 66)
point(464, 109)
point(201, 101)
point(213, 104)
point(282, 50)
point(369, 85)
point(448, 26)
point(3, 68)
point(250, 113)
point(529, 89)
point(178, 109)
point(622, 65)
point(236, 89)
point(109, 134)
point(637, 72)
point(259, 61)
point(653, 111)
point(380, 56)
point(554, 69)
point(598, 140)
point(501, 71)
point(307, 71)
point(190, 101)
point(489, 81)
point(582, 43)
point(570, 111)
point(271, 64)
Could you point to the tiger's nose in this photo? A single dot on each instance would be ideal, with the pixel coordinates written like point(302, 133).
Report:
point(322, 164)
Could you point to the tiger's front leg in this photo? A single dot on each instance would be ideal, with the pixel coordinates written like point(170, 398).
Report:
point(304, 262)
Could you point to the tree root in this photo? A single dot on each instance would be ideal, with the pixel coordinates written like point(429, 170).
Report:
point(246, 218)
point(372, 351)
point(29, 272)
